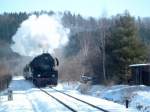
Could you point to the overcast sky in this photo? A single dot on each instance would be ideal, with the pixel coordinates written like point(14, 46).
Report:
point(86, 8)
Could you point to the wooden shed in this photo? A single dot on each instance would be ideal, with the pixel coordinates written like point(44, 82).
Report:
point(140, 74)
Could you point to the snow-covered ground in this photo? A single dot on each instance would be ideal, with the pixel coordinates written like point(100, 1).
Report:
point(138, 96)
point(27, 98)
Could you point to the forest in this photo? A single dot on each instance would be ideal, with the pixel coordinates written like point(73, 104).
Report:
point(101, 47)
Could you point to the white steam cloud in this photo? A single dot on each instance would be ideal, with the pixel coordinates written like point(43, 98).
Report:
point(38, 34)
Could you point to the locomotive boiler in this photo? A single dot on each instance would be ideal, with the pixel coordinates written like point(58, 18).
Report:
point(42, 70)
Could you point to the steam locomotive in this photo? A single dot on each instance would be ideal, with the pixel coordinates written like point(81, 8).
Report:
point(42, 70)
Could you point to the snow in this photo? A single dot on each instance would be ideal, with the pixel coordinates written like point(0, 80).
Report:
point(76, 105)
point(20, 84)
point(136, 65)
point(141, 100)
point(43, 103)
point(108, 105)
point(138, 96)
point(20, 104)
point(28, 98)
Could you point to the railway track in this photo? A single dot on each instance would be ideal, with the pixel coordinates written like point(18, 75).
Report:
point(72, 103)
point(67, 106)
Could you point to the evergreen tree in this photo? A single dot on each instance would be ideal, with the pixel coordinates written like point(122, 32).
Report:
point(124, 47)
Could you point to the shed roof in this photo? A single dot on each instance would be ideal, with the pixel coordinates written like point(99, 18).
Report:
point(137, 65)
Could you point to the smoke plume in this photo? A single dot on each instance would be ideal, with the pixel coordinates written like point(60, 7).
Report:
point(38, 34)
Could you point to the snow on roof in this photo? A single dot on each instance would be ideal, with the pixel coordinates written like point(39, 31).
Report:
point(135, 65)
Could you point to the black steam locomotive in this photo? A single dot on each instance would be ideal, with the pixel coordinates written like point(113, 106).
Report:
point(42, 70)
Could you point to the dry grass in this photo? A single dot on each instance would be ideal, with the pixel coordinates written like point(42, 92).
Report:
point(5, 77)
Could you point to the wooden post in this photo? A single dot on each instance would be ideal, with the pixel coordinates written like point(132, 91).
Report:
point(127, 103)
point(10, 95)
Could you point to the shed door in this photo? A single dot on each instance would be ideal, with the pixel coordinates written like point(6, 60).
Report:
point(146, 78)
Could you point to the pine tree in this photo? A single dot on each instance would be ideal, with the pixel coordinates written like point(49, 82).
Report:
point(124, 46)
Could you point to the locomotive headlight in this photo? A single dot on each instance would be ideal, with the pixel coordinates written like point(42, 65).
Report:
point(53, 75)
point(39, 75)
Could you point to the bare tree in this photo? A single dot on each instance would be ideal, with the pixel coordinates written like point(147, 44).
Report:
point(84, 57)
point(103, 29)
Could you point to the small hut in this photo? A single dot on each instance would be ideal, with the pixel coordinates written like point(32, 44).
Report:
point(140, 74)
